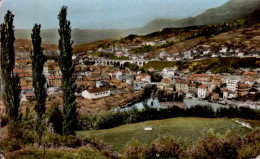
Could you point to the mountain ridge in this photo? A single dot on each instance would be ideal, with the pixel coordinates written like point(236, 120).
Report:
point(229, 11)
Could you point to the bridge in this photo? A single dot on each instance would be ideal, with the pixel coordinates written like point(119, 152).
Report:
point(138, 62)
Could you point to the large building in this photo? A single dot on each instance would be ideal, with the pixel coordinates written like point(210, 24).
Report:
point(182, 85)
point(96, 93)
point(232, 83)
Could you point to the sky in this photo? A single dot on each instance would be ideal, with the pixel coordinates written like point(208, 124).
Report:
point(102, 14)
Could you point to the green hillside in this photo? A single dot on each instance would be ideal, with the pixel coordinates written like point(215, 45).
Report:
point(186, 130)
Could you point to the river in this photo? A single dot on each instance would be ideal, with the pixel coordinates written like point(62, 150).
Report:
point(186, 103)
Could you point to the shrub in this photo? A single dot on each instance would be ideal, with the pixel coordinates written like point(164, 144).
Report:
point(4, 120)
point(11, 144)
point(167, 148)
point(251, 145)
point(55, 119)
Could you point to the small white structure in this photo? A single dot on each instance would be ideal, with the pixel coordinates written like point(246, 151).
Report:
point(148, 129)
point(96, 93)
point(240, 54)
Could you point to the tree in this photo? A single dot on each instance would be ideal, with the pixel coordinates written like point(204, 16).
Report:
point(68, 79)
point(39, 79)
point(11, 94)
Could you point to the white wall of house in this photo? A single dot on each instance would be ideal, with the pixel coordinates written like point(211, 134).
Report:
point(232, 84)
point(89, 95)
point(202, 93)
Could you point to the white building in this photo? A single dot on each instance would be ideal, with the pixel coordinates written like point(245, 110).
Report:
point(240, 54)
point(232, 83)
point(202, 91)
point(224, 49)
point(163, 54)
point(225, 94)
point(96, 93)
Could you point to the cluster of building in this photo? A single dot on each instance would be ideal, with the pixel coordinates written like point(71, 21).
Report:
point(210, 86)
point(204, 51)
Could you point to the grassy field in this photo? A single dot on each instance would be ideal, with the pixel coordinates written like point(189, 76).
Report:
point(186, 130)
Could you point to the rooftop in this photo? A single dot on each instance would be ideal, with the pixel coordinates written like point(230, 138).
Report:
point(97, 90)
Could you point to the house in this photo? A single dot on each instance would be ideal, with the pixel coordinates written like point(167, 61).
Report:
point(202, 91)
point(151, 69)
point(178, 58)
point(213, 96)
point(143, 78)
point(96, 93)
point(54, 81)
point(232, 82)
point(27, 89)
point(166, 85)
point(170, 58)
point(240, 54)
point(182, 85)
point(242, 89)
point(128, 79)
point(216, 80)
point(225, 94)
point(53, 89)
point(193, 88)
point(117, 83)
point(149, 43)
point(163, 54)
point(250, 81)
point(203, 78)
point(168, 72)
point(250, 74)
point(119, 53)
point(223, 49)
point(187, 54)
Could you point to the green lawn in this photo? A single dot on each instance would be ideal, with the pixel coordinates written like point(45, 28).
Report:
point(186, 130)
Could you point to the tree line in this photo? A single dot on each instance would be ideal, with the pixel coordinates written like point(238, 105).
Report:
point(12, 90)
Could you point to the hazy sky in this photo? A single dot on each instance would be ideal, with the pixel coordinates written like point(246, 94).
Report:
point(102, 14)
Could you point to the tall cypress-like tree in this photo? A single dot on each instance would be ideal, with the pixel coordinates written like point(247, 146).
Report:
point(11, 94)
point(39, 79)
point(68, 79)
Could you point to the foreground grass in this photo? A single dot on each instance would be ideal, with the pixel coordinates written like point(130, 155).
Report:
point(186, 130)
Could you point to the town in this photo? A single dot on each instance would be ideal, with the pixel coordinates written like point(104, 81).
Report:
point(93, 82)
point(99, 77)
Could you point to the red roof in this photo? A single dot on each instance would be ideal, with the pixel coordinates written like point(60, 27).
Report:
point(165, 80)
point(97, 90)
point(203, 86)
point(54, 77)
point(217, 77)
point(250, 73)
point(200, 75)
point(182, 81)
point(225, 90)
point(26, 87)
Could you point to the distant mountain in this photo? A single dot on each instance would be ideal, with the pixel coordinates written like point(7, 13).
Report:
point(79, 36)
point(231, 10)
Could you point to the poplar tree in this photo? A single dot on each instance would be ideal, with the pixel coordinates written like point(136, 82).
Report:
point(68, 79)
point(39, 79)
point(11, 94)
